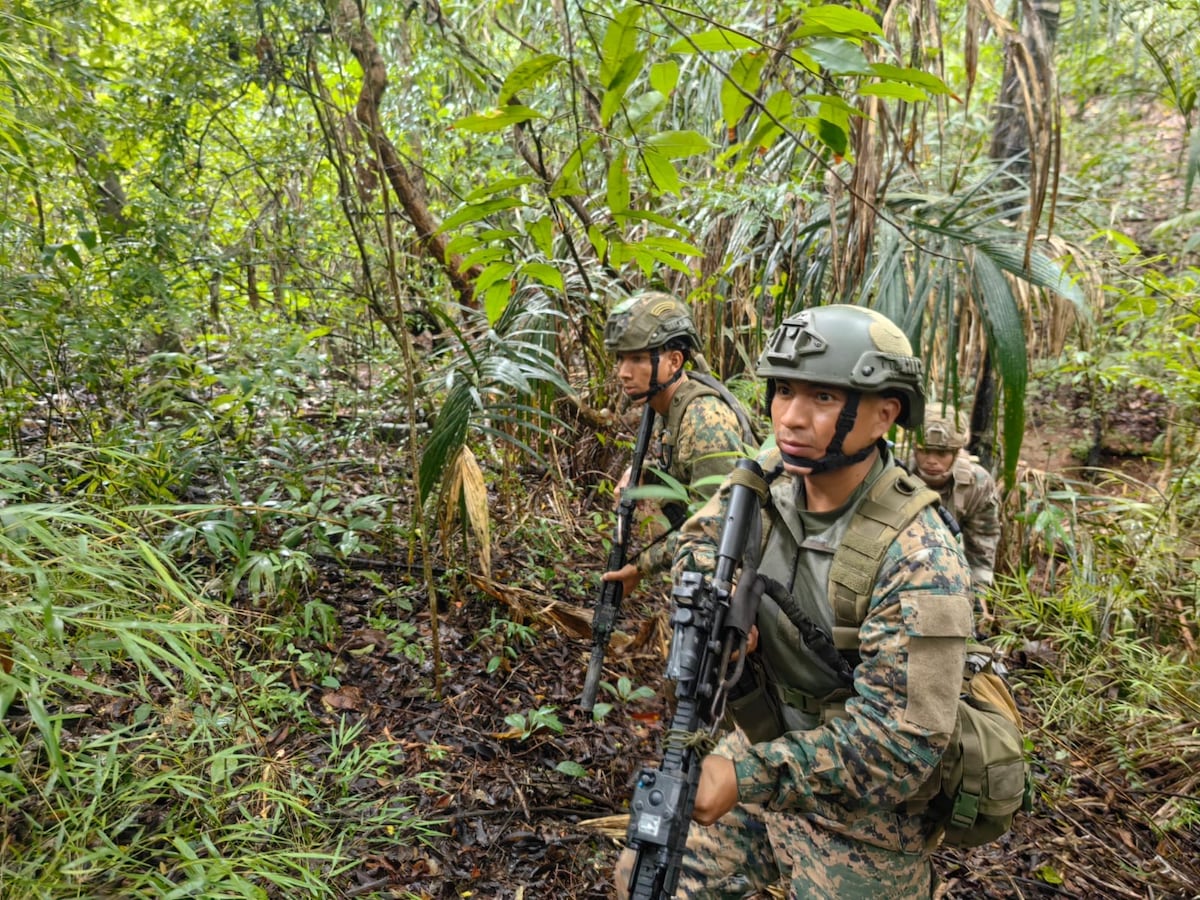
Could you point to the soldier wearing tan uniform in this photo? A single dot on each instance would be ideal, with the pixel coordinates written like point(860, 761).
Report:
point(813, 788)
point(967, 489)
point(700, 429)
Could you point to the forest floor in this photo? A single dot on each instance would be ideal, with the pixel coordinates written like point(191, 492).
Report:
point(512, 824)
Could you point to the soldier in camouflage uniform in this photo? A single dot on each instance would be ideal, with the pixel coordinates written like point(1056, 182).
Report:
point(700, 430)
point(967, 489)
point(811, 789)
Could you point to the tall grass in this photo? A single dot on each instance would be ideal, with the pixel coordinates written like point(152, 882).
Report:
point(136, 757)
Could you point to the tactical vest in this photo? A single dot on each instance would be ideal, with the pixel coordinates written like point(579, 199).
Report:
point(983, 778)
point(697, 385)
point(775, 705)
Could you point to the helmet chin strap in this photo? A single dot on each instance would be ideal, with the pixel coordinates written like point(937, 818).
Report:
point(834, 458)
point(655, 386)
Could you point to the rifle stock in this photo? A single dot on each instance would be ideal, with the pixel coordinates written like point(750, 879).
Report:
point(608, 603)
point(710, 623)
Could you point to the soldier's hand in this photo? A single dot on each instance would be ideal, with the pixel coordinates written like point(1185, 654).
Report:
point(716, 794)
point(628, 575)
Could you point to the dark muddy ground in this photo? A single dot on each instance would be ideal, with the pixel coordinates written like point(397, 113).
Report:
point(512, 823)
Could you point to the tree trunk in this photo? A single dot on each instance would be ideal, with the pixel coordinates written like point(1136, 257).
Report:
point(350, 27)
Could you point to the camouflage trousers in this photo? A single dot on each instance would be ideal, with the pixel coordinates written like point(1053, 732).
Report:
point(750, 850)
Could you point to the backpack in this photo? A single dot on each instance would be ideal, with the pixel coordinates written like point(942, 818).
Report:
point(984, 777)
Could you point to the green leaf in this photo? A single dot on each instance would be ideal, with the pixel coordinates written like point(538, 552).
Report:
point(473, 212)
point(931, 83)
point(679, 144)
point(1006, 331)
point(837, 20)
point(839, 56)
point(714, 41)
point(526, 75)
point(572, 768)
point(630, 69)
point(777, 110)
point(664, 76)
point(617, 187)
point(544, 273)
point(741, 87)
point(497, 119)
point(620, 41)
point(496, 271)
point(495, 300)
point(662, 173)
point(671, 245)
point(500, 184)
point(894, 91)
point(541, 231)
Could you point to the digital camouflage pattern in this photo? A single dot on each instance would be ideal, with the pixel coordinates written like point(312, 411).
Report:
point(970, 495)
point(822, 804)
point(699, 438)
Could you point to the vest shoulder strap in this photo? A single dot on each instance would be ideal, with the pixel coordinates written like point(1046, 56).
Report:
point(893, 501)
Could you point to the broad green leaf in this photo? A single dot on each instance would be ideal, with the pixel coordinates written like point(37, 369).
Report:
point(837, 20)
point(598, 240)
point(497, 271)
point(741, 87)
point(645, 215)
point(777, 111)
point(672, 245)
point(646, 252)
point(679, 144)
point(495, 300)
point(615, 91)
point(476, 211)
point(894, 91)
point(497, 119)
point(714, 41)
point(526, 75)
point(643, 107)
point(468, 241)
point(620, 41)
point(1005, 327)
point(541, 231)
point(828, 133)
point(664, 76)
point(661, 171)
point(545, 273)
point(617, 186)
point(499, 185)
point(838, 56)
point(931, 83)
point(482, 256)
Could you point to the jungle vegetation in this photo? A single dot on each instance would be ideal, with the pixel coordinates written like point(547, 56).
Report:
point(295, 289)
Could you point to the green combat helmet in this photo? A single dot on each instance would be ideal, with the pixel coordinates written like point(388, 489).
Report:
point(646, 321)
point(945, 428)
point(853, 348)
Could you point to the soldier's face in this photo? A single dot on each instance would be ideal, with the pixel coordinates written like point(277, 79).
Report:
point(934, 463)
point(805, 417)
point(633, 369)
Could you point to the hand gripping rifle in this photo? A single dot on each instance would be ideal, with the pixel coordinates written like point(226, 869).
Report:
point(710, 628)
point(608, 604)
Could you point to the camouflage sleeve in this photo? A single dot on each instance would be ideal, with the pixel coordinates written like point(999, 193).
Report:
point(708, 445)
point(981, 526)
point(905, 692)
point(657, 557)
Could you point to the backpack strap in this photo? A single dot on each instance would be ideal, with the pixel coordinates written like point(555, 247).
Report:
point(749, 434)
point(892, 502)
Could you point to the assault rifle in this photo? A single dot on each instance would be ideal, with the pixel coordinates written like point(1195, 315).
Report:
point(608, 604)
point(710, 626)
